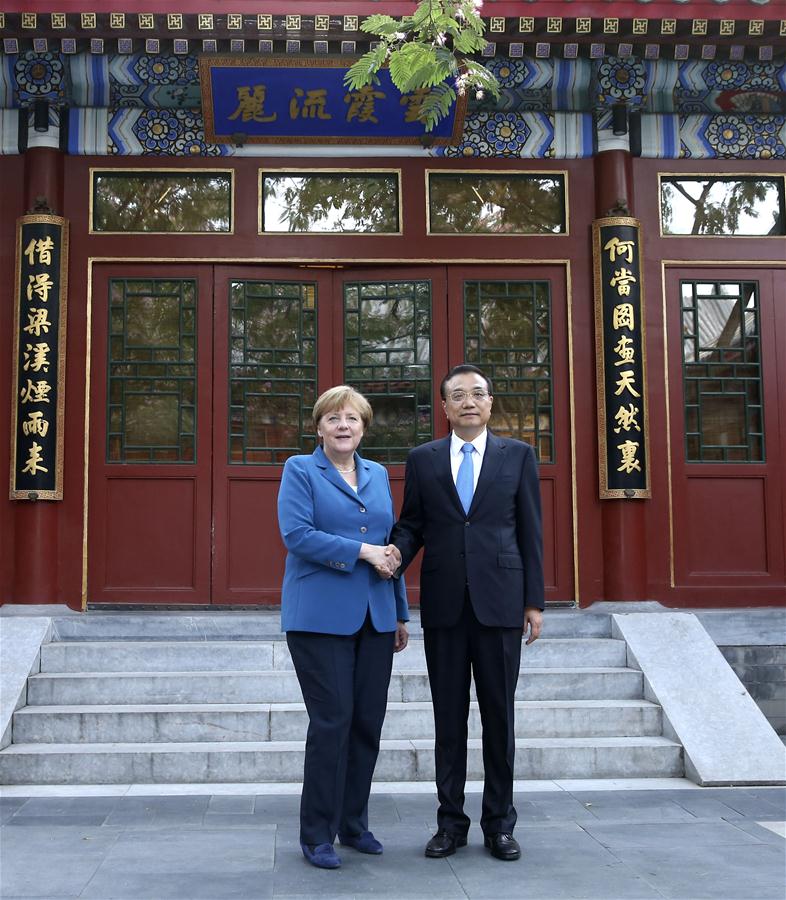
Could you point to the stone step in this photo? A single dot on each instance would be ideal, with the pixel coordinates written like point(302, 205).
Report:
point(282, 761)
point(80, 688)
point(266, 654)
point(287, 722)
point(230, 625)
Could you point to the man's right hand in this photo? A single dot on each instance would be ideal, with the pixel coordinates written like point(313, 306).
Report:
point(385, 560)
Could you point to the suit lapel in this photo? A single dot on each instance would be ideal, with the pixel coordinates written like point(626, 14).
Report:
point(440, 457)
point(330, 473)
point(492, 462)
point(364, 473)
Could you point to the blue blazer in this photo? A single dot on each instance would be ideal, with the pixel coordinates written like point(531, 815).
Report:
point(323, 522)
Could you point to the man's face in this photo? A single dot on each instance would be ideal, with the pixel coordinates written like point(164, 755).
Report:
point(467, 404)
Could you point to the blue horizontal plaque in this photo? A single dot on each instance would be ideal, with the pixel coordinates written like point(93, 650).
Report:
point(284, 101)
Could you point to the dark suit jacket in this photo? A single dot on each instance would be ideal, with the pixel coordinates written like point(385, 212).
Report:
point(496, 549)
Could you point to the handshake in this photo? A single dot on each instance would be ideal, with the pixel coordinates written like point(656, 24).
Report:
point(385, 560)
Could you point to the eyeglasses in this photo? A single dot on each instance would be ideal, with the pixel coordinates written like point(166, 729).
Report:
point(460, 396)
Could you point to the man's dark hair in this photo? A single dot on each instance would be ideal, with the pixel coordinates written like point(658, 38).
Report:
point(463, 369)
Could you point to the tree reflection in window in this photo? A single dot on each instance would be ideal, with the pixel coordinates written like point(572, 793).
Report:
point(329, 203)
point(507, 332)
point(155, 202)
point(724, 415)
point(493, 204)
point(722, 206)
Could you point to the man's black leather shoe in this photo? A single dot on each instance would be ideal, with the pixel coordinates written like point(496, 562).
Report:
point(444, 844)
point(503, 846)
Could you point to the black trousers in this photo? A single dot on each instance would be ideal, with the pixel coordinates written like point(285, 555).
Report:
point(344, 680)
point(492, 655)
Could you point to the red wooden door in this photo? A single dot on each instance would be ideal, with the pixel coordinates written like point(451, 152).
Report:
point(150, 432)
point(274, 355)
point(728, 409)
point(512, 321)
point(204, 381)
point(390, 341)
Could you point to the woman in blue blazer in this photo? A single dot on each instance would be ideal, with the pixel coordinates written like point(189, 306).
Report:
point(344, 617)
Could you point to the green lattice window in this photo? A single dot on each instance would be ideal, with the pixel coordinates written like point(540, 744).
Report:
point(724, 414)
point(272, 370)
point(387, 356)
point(151, 390)
point(507, 333)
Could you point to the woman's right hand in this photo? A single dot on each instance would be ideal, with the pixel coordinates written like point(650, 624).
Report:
point(385, 560)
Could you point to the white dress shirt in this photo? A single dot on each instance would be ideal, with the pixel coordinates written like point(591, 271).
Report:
point(456, 455)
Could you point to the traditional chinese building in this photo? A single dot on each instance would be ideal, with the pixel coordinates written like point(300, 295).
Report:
point(204, 228)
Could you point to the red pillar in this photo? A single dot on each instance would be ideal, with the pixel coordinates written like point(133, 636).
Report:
point(35, 522)
point(623, 522)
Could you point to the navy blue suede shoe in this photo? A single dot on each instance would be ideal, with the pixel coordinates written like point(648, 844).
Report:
point(323, 856)
point(364, 843)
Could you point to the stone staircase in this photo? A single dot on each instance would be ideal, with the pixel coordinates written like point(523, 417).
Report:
point(164, 698)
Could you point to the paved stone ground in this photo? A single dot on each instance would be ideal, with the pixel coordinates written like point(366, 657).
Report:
point(725, 843)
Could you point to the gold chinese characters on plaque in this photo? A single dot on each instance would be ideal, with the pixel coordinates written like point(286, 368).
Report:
point(37, 407)
point(620, 351)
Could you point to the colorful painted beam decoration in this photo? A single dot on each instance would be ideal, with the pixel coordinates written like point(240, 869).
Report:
point(623, 424)
point(38, 403)
point(277, 100)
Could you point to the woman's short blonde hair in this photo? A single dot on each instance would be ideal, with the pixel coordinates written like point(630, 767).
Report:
point(337, 398)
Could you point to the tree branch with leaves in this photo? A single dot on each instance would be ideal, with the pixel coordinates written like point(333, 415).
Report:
point(431, 50)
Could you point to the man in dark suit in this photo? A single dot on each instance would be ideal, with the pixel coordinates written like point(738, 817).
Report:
point(472, 500)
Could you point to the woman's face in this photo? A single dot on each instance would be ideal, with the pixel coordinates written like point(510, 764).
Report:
point(341, 430)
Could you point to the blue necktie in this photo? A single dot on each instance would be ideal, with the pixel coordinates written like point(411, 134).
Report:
point(465, 480)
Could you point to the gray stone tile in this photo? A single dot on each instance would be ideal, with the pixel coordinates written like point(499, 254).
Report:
point(278, 808)
point(647, 810)
point(754, 806)
point(158, 812)
point(549, 807)
point(177, 803)
point(658, 836)
point(218, 885)
point(68, 806)
point(9, 806)
point(704, 807)
point(231, 805)
point(765, 835)
point(417, 809)
point(751, 872)
point(382, 810)
point(402, 871)
point(232, 820)
point(50, 862)
point(581, 868)
point(55, 821)
point(205, 852)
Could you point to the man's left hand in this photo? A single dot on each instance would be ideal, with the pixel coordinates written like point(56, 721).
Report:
point(402, 637)
point(533, 621)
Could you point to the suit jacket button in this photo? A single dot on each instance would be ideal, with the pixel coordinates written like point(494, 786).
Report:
point(466, 524)
point(362, 509)
point(363, 529)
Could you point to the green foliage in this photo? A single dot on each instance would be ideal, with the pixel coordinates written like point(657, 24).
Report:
point(428, 49)
point(718, 204)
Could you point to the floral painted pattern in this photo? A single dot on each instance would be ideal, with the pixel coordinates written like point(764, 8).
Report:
point(509, 73)
point(166, 69)
point(728, 135)
point(722, 76)
point(621, 79)
point(40, 76)
point(163, 132)
point(733, 137)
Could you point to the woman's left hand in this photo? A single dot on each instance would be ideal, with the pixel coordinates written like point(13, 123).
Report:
point(402, 637)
